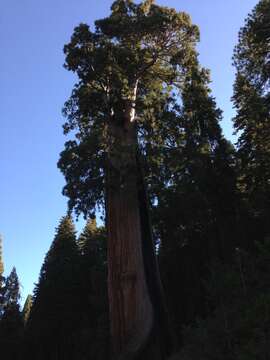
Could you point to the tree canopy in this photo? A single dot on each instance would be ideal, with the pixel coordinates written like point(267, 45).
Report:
point(143, 48)
point(252, 103)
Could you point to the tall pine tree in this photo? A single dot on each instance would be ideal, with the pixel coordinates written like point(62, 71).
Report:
point(52, 328)
point(195, 196)
point(93, 290)
point(252, 121)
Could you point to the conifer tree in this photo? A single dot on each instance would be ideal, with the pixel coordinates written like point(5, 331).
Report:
point(53, 323)
point(89, 230)
point(92, 243)
point(125, 68)
point(93, 292)
point(27, 308)
point(11, 326)
point(12, 289)
point(210, 161)
point(195, 209)
point(252, 121)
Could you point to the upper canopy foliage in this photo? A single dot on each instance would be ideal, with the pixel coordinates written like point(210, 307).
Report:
point(135, 59)
point(252, 54)
point(252, 102)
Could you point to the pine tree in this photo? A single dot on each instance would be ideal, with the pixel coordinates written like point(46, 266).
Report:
point(210, 162)
point(92, 243)
point(12, 289)
point(11, 326)
point(88, 232)
point(27, 308)
point(53, 322)
point(252, 121)
point(195, 211)
point(93, 291)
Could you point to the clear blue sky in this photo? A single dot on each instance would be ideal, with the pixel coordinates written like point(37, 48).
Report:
point(33, 88)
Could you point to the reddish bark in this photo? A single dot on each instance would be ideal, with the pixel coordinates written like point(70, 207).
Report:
point(131, 312)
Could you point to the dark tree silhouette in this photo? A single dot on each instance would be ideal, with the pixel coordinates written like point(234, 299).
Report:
point(54, 318)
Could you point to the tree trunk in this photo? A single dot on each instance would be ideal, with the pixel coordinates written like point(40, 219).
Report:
point(132, 311)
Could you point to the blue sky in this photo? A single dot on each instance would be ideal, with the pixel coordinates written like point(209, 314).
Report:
point(33, 88)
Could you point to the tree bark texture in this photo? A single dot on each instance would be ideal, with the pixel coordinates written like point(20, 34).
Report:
point(135, 294)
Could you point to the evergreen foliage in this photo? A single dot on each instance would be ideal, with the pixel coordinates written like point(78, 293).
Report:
point(11, 325)
point(139, 76)
point(252, 121)
point(93, 290)
point(195, 210)
point(27, 308)
point(239, 326)
point(54, 318)
point(127, 69)
point(12, 289)
point(141, 47)
point(68, 313)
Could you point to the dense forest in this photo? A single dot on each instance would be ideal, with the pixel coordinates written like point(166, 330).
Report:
point(174, 259)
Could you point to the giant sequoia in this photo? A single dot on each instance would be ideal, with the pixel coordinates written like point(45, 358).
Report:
point(128, 67)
